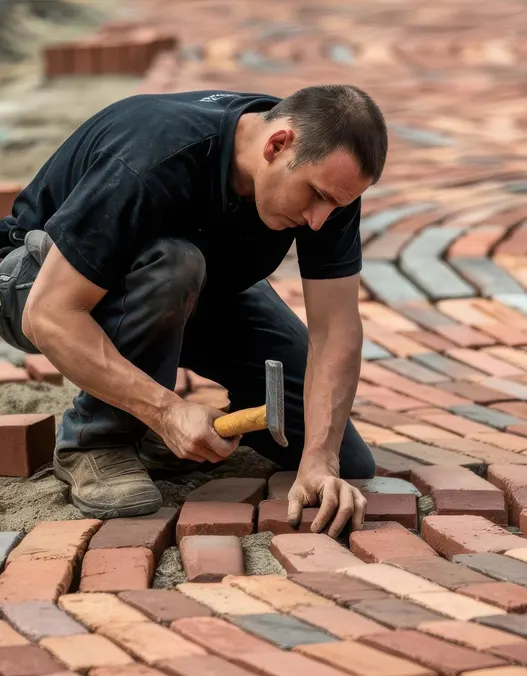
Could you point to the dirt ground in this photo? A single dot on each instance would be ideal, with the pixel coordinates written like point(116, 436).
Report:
point(36, 116)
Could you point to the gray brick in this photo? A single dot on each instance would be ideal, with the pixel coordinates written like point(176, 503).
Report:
point(431, 243)
point(516, 390)
point(39, 619)
point(388, 284)
point(484, 415)
point(387, 485)
point(446, 366)
point(382, 220)
point(514, 624)
point(486, 276)
point(417, 372)
point(282, 630)
point(396, 613)
point(436, 278)
point(426, 316)
point(497, 566)
point(371, 351)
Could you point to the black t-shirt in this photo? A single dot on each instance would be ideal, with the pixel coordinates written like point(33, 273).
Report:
point(157, 165)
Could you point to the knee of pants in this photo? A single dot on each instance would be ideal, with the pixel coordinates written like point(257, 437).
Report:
point(356, 459)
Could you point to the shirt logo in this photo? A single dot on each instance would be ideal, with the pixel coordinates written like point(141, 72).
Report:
point(216, 97)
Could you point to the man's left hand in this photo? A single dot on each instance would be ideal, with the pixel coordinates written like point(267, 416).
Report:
point(337, 499)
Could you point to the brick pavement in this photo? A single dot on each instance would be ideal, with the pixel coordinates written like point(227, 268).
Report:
point(437, 580)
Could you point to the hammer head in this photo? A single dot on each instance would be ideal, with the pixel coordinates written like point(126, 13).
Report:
point(274, 400)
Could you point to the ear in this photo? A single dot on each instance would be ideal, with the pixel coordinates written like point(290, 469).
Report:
point(280, 140)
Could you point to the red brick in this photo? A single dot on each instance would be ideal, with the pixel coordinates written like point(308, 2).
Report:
point(12, 374)
point(80, 653)
point(385, 398)
point(457, 490)
point(441, 656)
point(430, 340)
point(339, 587)
point(391, 464)
point(209, 558)
point(507, 595)
point(57, 60)
point(485, 453)
point(517, 408)
point(339, 622)
point(272, 516)
point(378, 546)
point(164, 605)
point(381, 417)
point(98, 610)
point(475, 392)
point(40, 368)
point(454, 423)
point(397, 344)
point(451, 535)
point(8, 192)
point(27, 441)
point(203, 665)
point(153, 531)
point(470, 634)
point(215, 518)
point(40, 619)
point(442, 572)
point(311, 552)
point(464, 336)
point(28, 661)
point(10, 637)
point(280, 484)
point(56, 540)
point(512, 480)
point(35, 580)
point(484, 362)
point(230, 489)
point(115, 570)
point(506, 334)
point(282, 663)
point(392, 507)
point(130, 670)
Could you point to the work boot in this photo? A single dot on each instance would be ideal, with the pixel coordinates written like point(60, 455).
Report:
point(107, 483)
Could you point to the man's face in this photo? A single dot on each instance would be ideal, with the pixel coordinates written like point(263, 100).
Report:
point(305, 196)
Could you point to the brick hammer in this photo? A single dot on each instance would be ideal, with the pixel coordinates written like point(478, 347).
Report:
point(270, 415)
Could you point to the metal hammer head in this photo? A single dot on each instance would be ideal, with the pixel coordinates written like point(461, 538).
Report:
point(274, 400)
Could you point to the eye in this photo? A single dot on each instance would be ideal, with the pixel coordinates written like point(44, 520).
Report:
point(318, 196)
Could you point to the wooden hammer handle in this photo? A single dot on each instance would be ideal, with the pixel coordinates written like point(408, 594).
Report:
point(240, 422)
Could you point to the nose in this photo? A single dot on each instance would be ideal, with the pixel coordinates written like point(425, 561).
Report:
point(319, 216)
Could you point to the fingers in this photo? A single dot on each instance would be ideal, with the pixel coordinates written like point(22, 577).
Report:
point(328, 505)
point(223, 447)
point(346, 509)
point(296, 505)
point(359, 510)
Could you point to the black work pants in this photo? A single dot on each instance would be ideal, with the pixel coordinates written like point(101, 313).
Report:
point(158, 321)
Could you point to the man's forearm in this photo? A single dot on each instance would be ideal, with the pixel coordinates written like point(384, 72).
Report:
point(83, 353)
point(332, 374)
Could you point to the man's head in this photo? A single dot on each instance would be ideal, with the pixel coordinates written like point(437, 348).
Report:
point(318, 149)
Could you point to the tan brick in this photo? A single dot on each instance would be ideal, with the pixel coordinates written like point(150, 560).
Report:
point(28, 580)
point(86, 651)
point(116, 570)
point(470, 634)
point(224, 599)
point(277, 591)
point(129, 670)
point(311, 552)
point(454, 605)
point(391, 579)
point(8, 636)
point(339, 622)
point(97, 610)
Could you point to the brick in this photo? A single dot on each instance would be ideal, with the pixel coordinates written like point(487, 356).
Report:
point(511, 622)
point(519, 554)
point(496, 566)
point(390, 464)
point(383, 546)
point(8, 541)
point(515, 357)
point(517, 409)
point(87, 651)
point(414, 371)
point(224, 599)
point(515, 389)
point(486, 416)
point(498, 671)
point(272, 517)
point(484, 362)
point(371, 350)
point(279, 592)
point(451, 535)
point(339, 587)
point(512, 480)
point(10, 637)
point(449, 368)
point(164, 605)
point(40, 619)
point(209, 558)
point(281, 663)
point(507, 595)
point(430, 340)
point(453, 423)
point(431, 652)
point(385, 281)
point(154, 531)
point(362, 660)
point(486, 276)
point(97, 610)
point(115, 570)
point(476, 392)
point(442, 572)
point(393, 580)
point(30, 660)
point(215, 518)
point(454, 605)
point(470, 634)
point(385, 398)
point(149, 642)
point(396, 613)
point(384, 485)
point(485, 453)
point(129, 670)
point(425, 433)
point(230, 489)
point(27, 441)
point(430, 455)
point(202, 665)
point(40, 368)
point(56, 540)
point(457, 490)
point(386, 507)
point(464, 336)
point(380, 416)
point(397, 344)
point(311, 552)
point(372, 434)
point(40, 580)
point(512, 652)
point(12, 374)
point(281, 630)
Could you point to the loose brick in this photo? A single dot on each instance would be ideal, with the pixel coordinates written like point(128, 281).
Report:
point(27, 441)
point(272, 516)
point(164, 605)
point(451, 535)
point(391, 464)
point(215, 518)
point(202, 665)
point(366, 661)
point(457, 490)
point(444, 573)
point(154, 531)
point(386, 485)
point(393, 580)
point(40, 368)
point(12, 374)
point(115, 570)
point(230, 489)
point(56, 540)
point(97, 610)
point(438, 655)
point(28, 660)
point(40, 580)
point(8, 541)
point(40, 619)
point(495, 566)
point(310, 552)
point(454, 605)
point(339, 622)
point(279, 592)
point(384, 546)
point(282, 630)
point(396, 613)
point(10, 637)
point(470, 634)
point(511, 622)
point(209, 558)
point(87, 651)
point(150, 642)
point(281, 663)
point(507, 595)
point(224, 599)
point(385, 506)
point(512, 480)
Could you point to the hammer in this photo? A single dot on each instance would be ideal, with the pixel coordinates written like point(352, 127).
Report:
point(270, 414)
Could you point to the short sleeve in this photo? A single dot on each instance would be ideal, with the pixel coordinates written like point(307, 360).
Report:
point(334, 250)
point(98, 224)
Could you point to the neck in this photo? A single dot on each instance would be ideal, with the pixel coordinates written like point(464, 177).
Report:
point(243, 162)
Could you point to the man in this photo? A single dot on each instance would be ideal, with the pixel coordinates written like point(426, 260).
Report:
point(144, 244)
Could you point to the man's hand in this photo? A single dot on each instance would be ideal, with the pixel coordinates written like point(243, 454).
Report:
point(337, 499)
point(187, 429)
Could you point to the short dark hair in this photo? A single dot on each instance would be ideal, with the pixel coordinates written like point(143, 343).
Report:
point(330, 117)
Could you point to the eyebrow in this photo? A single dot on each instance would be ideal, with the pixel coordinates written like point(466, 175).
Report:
point(327, 196)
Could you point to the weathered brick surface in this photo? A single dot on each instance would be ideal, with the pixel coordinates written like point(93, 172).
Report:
point(164, 605)
point(27, 441)
point(215, 518)
point(209, 558)
point(39, 619)
point(87, 651)
point(386, 507)
point(31, 660)
point(224, 599)
point(393, 580)
point(311, 552)
point(442, 572)
point(470, 634)
point(507, 595)
point(99, 610)
point(52, 540)
point(339, 587)
point(272, 516)
point(387, 545)
point(282, 594)
point(35, 580)
point(454, 605)
point(115, 570)
point(397, 613)
point(340, 622)
point(230, 489)
point(284, 631)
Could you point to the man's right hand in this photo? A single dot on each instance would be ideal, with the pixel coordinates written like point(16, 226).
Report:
point(187, 429)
